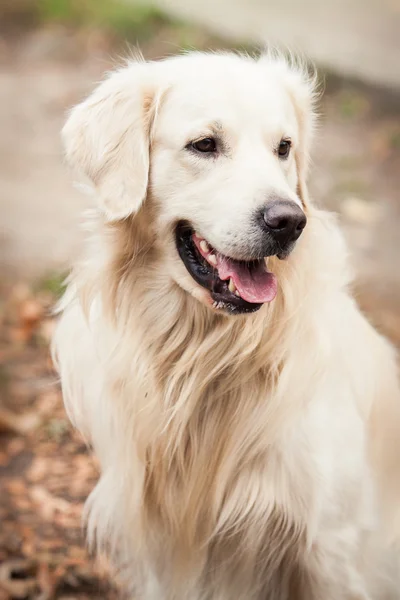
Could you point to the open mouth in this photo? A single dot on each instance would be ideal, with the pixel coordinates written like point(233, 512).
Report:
point(234, 285)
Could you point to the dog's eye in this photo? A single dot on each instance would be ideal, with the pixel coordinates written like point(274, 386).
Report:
point(205, 145)
point(284, 148)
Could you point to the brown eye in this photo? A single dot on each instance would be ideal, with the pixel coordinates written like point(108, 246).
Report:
point(205, 145)
point(284, 148)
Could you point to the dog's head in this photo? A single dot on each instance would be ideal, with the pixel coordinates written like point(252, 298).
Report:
point(217, 146)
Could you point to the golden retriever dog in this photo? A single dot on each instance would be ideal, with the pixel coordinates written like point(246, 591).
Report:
point(245, 414)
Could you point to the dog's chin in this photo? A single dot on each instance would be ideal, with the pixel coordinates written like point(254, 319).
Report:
point(225, 284)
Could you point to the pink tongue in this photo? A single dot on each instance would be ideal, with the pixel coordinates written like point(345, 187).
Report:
point(255, 284)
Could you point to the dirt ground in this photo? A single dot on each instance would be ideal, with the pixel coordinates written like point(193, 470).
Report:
point(46, 471)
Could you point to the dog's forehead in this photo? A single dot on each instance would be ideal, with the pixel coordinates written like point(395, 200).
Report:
point(232, 91)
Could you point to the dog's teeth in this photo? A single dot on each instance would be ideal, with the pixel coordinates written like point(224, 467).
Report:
point(212, 259)
point(204, 246)
point(237, 293)
point(232, 286)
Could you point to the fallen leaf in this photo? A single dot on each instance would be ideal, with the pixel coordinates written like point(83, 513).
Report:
point(21, 424)
point(30, 312)
point(47, 581)
point(46, 330)
point(16, 487)
point(17, 578)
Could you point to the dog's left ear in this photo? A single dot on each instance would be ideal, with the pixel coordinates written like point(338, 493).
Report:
point(301, 87)
point(107, 137)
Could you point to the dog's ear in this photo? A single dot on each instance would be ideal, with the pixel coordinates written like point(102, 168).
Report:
point(301, 85)
point(107, 137)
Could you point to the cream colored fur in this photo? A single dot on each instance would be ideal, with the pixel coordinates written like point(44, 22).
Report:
point(250, 457)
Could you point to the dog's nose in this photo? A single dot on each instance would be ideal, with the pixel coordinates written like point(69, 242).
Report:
point(284, 221)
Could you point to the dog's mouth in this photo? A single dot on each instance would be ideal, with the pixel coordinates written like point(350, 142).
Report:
point(234, 285)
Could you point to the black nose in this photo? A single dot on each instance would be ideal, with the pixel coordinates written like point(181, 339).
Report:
point(284, 221)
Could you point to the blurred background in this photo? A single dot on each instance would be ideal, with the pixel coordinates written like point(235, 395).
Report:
point(51, 54)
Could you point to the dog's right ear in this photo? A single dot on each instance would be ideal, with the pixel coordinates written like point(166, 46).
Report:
point(107, 137)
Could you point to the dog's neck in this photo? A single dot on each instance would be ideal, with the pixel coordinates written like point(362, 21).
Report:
point(188, 362)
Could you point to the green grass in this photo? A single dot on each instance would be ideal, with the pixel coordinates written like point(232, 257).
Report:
point(395, 140)
point(127, 19)
point(53, 283)
point(57, 429)
point(346, 163)
point(353, 187)
point(352, 104)
point(132, 21)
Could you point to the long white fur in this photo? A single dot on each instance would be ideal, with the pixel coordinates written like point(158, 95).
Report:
point(245, 457)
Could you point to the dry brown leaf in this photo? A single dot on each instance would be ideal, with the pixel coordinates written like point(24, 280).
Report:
point(47, 581)
point(55, 509)
point(15, 446)
point(22, 586)
point(38, 469)
point(15, 487)
point(46, 330)
point(48, 401)
point(30, 312)
point(21, 424)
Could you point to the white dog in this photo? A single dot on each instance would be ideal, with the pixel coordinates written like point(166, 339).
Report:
point(245, 414)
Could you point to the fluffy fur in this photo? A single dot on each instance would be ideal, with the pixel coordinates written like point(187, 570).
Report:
point(252, 457)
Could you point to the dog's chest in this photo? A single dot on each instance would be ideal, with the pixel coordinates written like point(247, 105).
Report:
point(246, 527)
